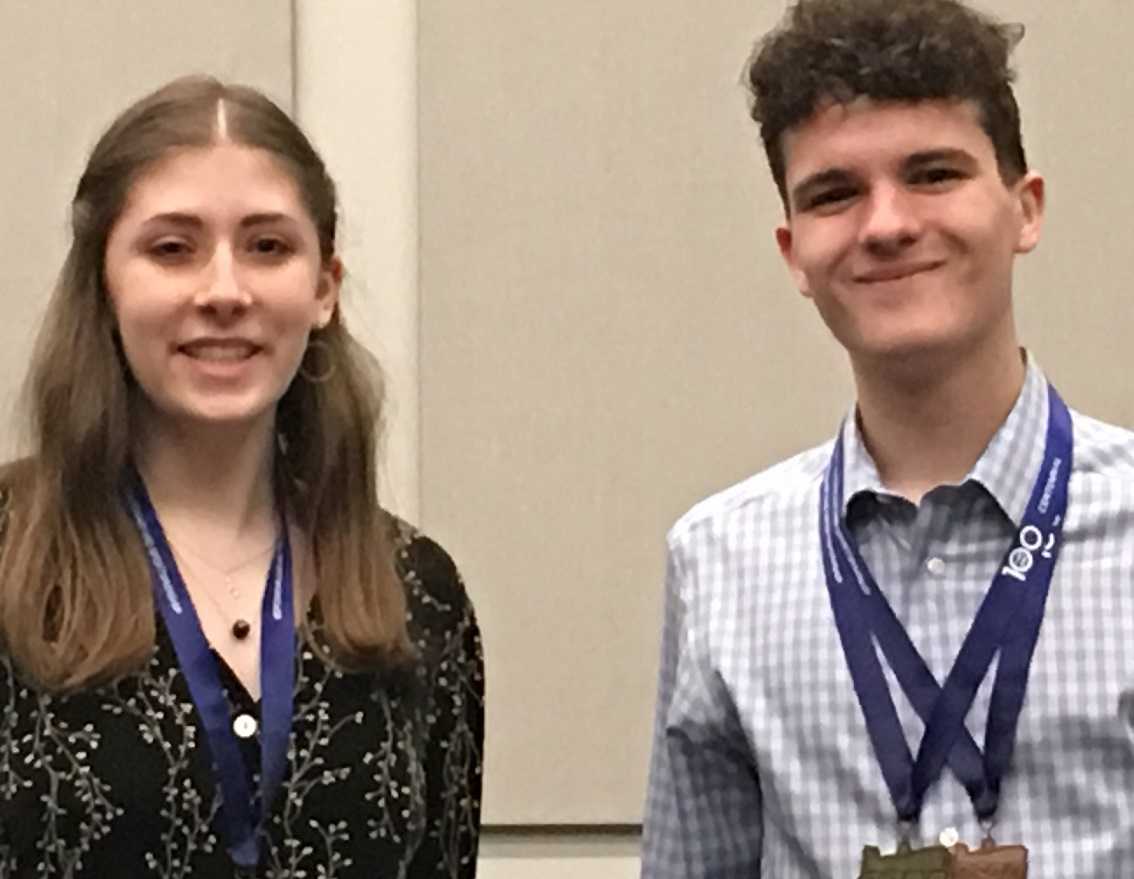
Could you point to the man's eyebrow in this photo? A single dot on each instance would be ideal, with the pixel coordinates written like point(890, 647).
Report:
point(944, 154)
point(817, 180)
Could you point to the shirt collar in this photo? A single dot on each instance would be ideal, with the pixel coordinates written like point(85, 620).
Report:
point(1006, 468)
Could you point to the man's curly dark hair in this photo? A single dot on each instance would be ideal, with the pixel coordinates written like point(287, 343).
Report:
point(886, 50)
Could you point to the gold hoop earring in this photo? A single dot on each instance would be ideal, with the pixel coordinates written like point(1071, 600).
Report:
point(319, 375)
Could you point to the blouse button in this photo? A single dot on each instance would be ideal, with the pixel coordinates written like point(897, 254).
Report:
point(936, 566)
point(244, 726)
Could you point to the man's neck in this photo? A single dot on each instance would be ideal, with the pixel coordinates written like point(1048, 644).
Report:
point(927, 424)
point(211, 484)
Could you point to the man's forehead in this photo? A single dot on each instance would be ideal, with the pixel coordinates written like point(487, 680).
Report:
point(868, 130)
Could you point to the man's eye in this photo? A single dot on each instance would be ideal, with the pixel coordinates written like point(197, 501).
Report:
point(831, 197)
point(935, 176)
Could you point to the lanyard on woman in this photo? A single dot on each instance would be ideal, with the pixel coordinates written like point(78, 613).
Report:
point(240, 814)
point(1007, 622)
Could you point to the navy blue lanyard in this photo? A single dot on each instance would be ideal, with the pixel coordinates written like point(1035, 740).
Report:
point(239, 813)
point(1008, 621)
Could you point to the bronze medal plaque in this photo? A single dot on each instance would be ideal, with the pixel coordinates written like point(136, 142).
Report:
point(990, 861)
point(931, 862)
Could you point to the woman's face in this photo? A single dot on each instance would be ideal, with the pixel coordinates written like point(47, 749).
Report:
point(216, 280)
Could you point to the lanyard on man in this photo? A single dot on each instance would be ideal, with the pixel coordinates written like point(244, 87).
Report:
point(1008, 622)
point(241, 816)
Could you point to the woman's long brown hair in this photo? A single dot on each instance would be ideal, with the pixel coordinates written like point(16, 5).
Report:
point(76, 607)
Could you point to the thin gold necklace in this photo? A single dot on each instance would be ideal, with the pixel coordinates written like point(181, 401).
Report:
point(226, 573)
point(241, 628)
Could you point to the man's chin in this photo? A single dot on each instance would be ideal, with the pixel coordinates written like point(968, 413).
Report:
point(902, 354)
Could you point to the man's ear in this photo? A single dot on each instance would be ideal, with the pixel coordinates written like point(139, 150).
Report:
point(1031, 194)
point(785, 241)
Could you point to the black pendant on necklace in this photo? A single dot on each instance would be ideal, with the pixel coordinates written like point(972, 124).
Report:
point(240, 629)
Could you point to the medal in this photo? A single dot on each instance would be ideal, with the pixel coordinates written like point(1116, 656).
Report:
point(990, 861)
point(1007, 625)
point(932, 862)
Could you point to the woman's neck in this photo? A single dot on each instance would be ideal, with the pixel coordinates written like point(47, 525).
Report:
point(212, 485)
point(928, 424)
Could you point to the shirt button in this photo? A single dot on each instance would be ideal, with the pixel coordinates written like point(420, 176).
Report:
point(949, 837)
point(244, 726)
point(936, 566)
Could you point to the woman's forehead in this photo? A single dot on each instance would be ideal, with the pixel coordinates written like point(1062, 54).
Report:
point(218, 178)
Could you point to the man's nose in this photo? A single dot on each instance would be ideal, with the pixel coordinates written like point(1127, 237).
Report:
point(892, 221)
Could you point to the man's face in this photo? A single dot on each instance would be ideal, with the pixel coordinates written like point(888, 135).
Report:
point(901, 229)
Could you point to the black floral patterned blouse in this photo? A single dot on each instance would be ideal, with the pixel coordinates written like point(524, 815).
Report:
point(383, 778)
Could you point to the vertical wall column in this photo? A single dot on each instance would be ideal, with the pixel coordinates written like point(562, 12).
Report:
point(355, 74)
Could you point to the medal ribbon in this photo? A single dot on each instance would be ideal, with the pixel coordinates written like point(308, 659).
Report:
point(240, 815)
point(1008, 622)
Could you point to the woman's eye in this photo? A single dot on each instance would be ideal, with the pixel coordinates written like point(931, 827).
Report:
point(169, 248)
point(270, 247)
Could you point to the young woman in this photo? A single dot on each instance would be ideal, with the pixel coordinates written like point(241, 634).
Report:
point(218, 654)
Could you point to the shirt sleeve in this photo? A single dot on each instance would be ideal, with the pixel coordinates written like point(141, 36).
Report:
point(703, 806)
point(455, 722)
point(7, 862)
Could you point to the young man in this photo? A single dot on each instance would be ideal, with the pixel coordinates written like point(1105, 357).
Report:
point(922, 632)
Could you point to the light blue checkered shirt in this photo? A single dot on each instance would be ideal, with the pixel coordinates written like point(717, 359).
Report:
point(762, 766)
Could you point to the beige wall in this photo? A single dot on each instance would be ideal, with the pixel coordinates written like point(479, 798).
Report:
point(356, 95)
point(1073, 296)
point(604, 328)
